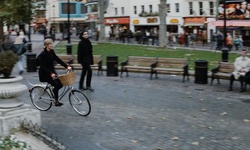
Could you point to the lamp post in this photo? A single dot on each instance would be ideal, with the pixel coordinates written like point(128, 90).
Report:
point(69, 46)
point(30, 56)
point(53, 15)
point(29, 44)
point(225, 48)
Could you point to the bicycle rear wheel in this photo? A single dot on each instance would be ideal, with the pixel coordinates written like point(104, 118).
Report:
point(79, 102)
point(40, 98)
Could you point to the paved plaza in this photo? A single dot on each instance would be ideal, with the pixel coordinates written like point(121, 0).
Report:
point(136, 113)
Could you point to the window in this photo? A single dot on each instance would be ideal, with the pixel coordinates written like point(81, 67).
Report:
point(83, 9)
point(150, 8)
point(201, 8)
point(92, 8)
point(135, 10)
point(177, 9)
point(72, 8)
point(168, 8)
point(122, 10)
point(142, 8)
point(191, 11)
point(211, 8)
point(116, 11)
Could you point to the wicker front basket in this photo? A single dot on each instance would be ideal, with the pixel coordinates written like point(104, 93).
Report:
point(68, 78)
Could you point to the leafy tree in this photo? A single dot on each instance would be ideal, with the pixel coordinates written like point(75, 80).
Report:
point(12, 13)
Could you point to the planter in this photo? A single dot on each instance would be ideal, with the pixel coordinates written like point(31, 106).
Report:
point(10, 90)
point(12, 110)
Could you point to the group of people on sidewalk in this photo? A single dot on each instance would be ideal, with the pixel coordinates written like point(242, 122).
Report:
point(217, 42)
point(15, 42)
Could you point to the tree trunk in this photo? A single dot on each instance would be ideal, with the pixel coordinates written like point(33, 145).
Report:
point(1, 30)
point(101, 21)
point(163, 28)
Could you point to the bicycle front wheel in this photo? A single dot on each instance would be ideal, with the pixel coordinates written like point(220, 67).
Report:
point(79, 102)
point(40, 98)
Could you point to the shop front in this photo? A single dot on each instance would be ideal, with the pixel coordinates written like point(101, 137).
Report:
point(115, 26)
point(237, 19)
point(145, 24)
point(194, 25)
point(235, 27)
point(173, 25)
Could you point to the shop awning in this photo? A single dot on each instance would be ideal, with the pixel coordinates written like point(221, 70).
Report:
point(41, 20)
point(237, 23)
point(194, 23)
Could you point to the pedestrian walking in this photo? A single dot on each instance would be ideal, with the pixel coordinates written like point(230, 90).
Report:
point(8, 45)
point(20, 42)
point(13, 35)
point(85, 58)
point(213, 41)
point(240, 42)
point(204, 38)
point(220, 41)
point(229, 41)
point(97, 35)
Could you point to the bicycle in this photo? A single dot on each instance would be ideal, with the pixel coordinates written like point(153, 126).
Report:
point(42, 96)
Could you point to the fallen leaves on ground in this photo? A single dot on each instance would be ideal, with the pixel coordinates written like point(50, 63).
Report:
point(175, 138)
point(223, 114)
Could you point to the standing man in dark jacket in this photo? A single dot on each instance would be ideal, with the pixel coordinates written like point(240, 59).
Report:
point(47, 71)
point(85, 58)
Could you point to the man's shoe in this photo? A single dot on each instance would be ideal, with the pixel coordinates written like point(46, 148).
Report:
point(21, 72)
point(230, 89)
point(242, 90)
point(90, 89)
point(58, 104)
point(82, 89)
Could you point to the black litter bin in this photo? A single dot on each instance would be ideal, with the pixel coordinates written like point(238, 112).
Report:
point(224, 55)
point(112, 65)
point(69, 49)
point(31, 62)
point(201, 68)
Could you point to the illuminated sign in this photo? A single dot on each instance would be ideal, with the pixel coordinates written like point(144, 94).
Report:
point(174, 21)
point(152, 20)
point(135, 21)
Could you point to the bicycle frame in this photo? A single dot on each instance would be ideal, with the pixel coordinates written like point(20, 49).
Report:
point(66, 89)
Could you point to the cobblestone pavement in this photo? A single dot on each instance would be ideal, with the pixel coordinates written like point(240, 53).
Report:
point(136, 113)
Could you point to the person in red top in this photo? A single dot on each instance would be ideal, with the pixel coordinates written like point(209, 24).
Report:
point(229, 40)
point(181, 39)
point(47, 71)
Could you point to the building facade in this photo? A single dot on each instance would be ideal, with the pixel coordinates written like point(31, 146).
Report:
point(183, 16)
point(197, 14)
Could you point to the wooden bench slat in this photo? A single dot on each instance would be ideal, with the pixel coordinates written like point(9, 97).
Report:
point(96, 66)
point(172, 66)
point(156, 65)
point(137, 64)
point(222, 71)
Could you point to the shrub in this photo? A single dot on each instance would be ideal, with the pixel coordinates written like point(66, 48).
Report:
point(8, 59)
point(12, 143)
